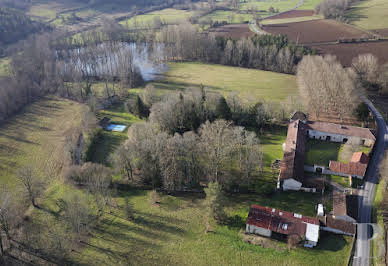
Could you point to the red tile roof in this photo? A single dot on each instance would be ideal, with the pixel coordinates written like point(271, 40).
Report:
point(293, 159)
point(354, 169)
point(278, 221)
point(339, 203)
point(341, 129)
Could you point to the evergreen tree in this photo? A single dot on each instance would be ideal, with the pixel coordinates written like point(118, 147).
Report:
point(223, 110)
point(140, 109)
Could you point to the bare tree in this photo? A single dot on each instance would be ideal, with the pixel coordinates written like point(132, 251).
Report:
point(367, 68)
point(123, 159)
point(31, 182)
point(217, 144)
point(326, 86)
point(77, 213)
point(8, 217)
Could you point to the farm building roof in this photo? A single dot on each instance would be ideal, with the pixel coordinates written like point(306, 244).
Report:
point(345, 205)
point(360, 157)
point(342, 225)
point(283, 222)
point(350, 131)
point(293, 160)
point(354, 169)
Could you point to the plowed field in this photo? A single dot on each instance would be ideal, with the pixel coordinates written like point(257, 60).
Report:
point(234, 31)
point(345, 52)
point(315, 31)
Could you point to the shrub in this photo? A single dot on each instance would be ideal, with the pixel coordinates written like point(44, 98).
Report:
point(362, 111)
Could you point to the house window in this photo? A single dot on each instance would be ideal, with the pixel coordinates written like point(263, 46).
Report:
point(345, 140)
point(328, 138)
point(362, 142)
point(318, 170)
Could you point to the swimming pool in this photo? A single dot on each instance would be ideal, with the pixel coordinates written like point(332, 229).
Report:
point(116, 128)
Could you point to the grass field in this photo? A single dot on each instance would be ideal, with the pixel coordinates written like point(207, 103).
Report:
point(172, 233)
point(169, 233)
point(251, 85)
point(4, 65)
point(369, 14)
point(289, 20)
point(36, 137)
point(228, 16)
point(282, 5)
point(111, 140)
point(47, 11)
point(167, 16)
point(309, 4)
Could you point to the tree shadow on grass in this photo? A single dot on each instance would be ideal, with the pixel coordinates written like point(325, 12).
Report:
point(236, 221)
point(331, 242)
point(354, 14)
point(106, 146)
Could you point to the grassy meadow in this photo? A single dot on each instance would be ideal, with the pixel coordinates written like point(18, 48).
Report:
point(289, 20)
point(309, 4)
point(231, 17)
point(167, 16)
point(369, 14)
point(36, 137)
point(172, 233)
point(250, 84)
point(282, 5)
point(111, 140)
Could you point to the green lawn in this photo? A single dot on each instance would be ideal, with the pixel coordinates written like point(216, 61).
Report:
point(111, 140)
point(321, 152)
point(289, 20)
point(369, 14)
point(167, 16)
point(250, 84)
point(36, 137)
point(343, 181)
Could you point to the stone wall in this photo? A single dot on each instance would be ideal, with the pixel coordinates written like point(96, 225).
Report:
point(252, 229)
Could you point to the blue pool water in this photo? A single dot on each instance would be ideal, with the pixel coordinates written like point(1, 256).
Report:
point(117, 128)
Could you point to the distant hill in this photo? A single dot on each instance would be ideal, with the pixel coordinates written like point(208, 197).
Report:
point(16, 26)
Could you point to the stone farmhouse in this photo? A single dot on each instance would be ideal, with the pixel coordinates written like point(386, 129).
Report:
point(265, 221)
point(292, 168)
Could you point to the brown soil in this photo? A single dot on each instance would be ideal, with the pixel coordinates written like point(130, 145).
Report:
point(381, 32)
point(345, 52)
point(315, 31)
point(235, 31)
point(294, 14)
